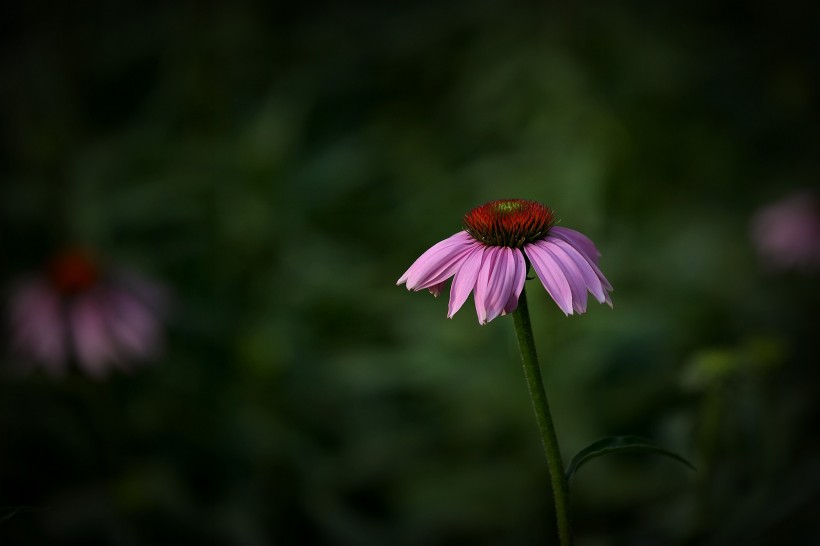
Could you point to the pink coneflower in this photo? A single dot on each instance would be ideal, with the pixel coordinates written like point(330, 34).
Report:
point(75, 310)
point(787, 232)
point(491, 256)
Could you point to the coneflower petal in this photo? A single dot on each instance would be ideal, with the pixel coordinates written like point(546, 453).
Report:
point(551, 276)
point(483, 288)
point(438, 263)
point(92, 342)
point(600, 275)
point(578, 240)
point(501, 282)
point(36, 315)
point(447, 270)
point(490, 259)
point(519, 277)
point(573, 276)
point(583, 245)
point(465, 280)
point(593, 283)
point(131, 325)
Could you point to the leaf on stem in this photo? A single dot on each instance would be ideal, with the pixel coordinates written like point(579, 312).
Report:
point(619, 444)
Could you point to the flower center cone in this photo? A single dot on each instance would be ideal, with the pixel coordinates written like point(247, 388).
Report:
point(509, 222)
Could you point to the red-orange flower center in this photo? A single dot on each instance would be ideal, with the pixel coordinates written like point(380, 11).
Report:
point(509, 222)
point(73, 271)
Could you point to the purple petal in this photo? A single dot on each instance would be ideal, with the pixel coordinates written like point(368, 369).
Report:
point(580, 241)
point(465, 279)
point(439, 262)
point(449, 269)
point(519, 277)
point(551, 276)
point(94, 346)
point(482, 282)
point(505, 278)
point(585, 268)
point(573, 276)
point(600, 275)
point(495, 283)
point(582, 244)
point(482, 285)
point(787, 232)
point(133, 326)
point(37, 323)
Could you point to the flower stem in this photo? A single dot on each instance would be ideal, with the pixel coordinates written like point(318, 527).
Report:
point(532, 371)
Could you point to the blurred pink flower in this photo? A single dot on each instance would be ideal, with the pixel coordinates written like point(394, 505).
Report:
point(787, 232)
point(491, 257)
point(77, 311)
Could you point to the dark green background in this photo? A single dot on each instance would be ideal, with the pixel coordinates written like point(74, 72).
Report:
point(280, 165)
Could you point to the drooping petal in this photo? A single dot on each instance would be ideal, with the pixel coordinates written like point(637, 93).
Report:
point(484, 284)
point(504, 284)
point(447, 270)
point(519, 277)
point(465, 279)
point(580, 241)
point(585, 267)
point(604, 281)
point(439, 262)
point(495, 283)
point(787, 232)
point(92, 342)
point(37, 324)
point(584, 246)
point(132, 326)
point(483, 281)
point(570, 270)
point(551, 276)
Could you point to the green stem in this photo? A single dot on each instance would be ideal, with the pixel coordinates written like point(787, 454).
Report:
point(532, 371)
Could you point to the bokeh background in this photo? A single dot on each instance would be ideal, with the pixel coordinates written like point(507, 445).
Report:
point(277, 166)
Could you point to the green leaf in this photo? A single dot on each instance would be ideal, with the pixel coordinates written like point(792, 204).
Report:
point(619, 444)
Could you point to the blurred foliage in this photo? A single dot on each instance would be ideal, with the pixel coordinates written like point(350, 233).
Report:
point(279, 165)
